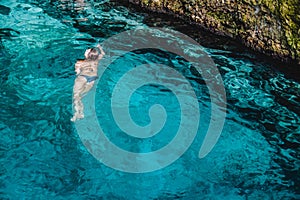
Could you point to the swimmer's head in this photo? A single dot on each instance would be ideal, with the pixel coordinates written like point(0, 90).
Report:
point(92, 54)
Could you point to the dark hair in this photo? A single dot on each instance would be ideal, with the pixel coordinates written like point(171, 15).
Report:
point(94, 53)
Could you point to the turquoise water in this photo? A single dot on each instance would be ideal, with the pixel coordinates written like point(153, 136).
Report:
point(42, 156)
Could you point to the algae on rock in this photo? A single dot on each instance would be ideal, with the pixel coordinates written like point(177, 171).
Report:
point(270, 27)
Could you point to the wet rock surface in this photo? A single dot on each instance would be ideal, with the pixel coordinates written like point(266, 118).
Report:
point(270, 27)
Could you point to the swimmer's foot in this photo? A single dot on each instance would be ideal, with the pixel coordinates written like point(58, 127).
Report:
point(73, 119)
point(76, 117)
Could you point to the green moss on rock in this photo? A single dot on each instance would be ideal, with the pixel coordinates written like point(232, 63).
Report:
point(272, 27)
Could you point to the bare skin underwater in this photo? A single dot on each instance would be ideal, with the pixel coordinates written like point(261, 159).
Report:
point(86, 74)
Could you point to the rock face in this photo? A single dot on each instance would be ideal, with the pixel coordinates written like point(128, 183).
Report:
point(268, 26)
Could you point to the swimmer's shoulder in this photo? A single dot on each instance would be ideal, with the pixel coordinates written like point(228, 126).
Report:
point(85, 61)
point(81, 61)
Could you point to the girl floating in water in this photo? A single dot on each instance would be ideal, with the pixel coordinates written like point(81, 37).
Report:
point(86, 71)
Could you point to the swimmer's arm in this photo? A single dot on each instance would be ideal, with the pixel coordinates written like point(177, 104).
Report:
point(102, 53)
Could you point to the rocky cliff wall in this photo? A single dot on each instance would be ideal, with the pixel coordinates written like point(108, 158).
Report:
point(268, 26)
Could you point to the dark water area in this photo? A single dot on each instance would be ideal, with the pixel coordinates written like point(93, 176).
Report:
point(42, 156)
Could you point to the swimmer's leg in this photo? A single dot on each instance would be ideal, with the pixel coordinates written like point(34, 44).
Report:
point(78, 107)
point(87, 88)
point(79, 87)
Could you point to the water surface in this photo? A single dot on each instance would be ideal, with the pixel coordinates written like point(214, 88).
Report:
point(42, 157)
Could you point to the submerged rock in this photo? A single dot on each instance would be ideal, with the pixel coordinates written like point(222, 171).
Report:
point(270, 27)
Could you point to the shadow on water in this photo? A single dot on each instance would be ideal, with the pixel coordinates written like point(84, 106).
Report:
point(4, 10)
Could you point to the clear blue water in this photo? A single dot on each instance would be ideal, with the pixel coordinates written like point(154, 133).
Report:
point(42, 156)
